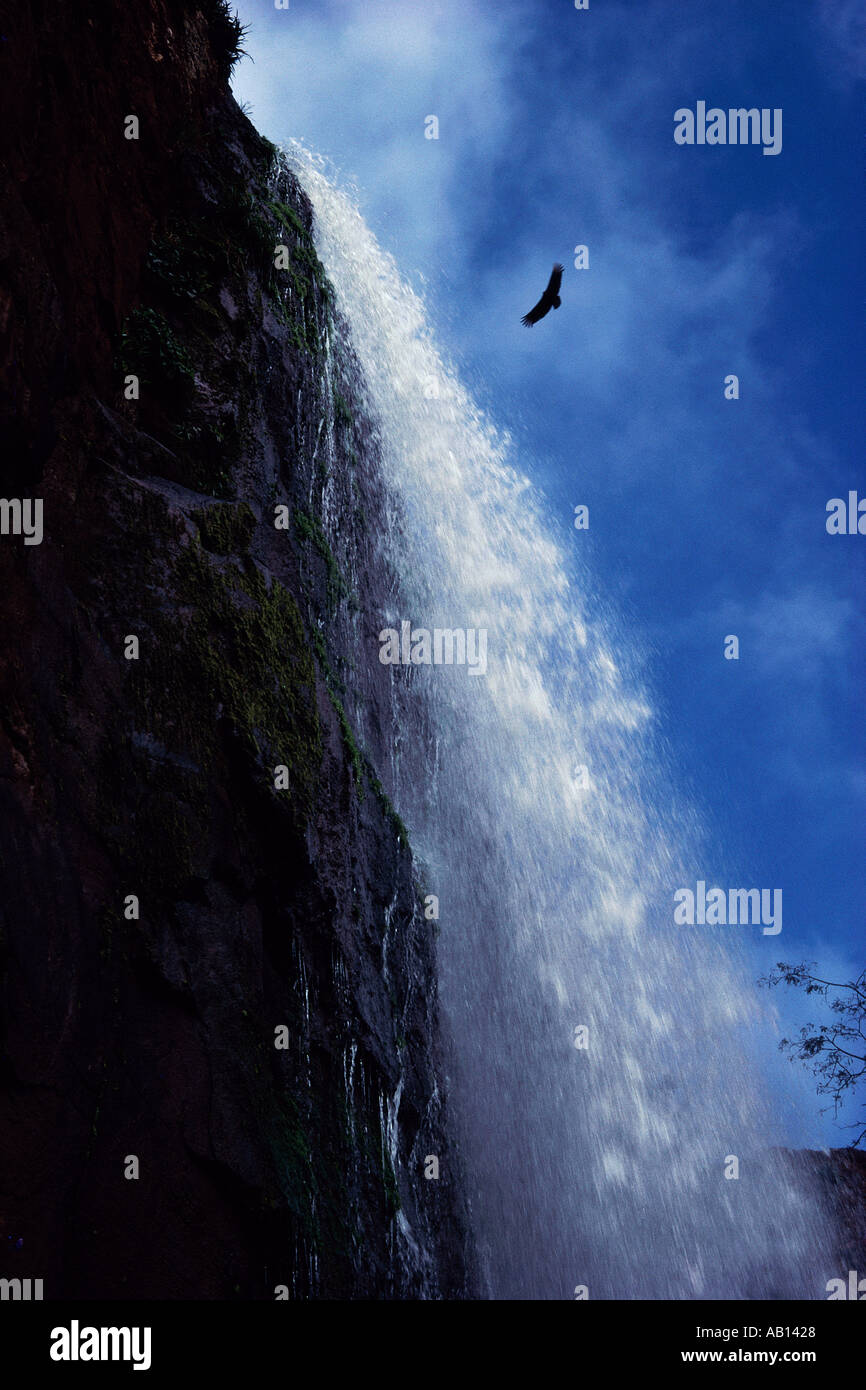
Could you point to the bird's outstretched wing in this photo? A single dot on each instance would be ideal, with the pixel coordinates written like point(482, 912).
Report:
point(545, 303)
point(537, 312)
point(555, 281)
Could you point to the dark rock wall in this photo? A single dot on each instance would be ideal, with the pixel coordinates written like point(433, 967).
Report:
point(840, 1178)
point(260, 904)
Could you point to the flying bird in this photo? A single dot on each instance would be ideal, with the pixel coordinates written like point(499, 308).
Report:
point(549, 300)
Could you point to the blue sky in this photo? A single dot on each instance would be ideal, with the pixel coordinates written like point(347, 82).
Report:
point(707, 516)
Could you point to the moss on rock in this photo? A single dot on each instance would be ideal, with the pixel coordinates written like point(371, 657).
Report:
point(150, 350)
point(226, 529)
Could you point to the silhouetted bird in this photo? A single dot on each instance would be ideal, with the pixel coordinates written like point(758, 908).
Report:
point(549, 300)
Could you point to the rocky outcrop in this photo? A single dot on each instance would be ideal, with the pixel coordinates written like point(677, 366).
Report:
point(200, 857)
point(839, 1176)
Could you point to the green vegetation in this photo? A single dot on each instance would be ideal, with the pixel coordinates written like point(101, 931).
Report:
point(332, 680)
point(182, 331)
point(204, 445)
point(240, 657)
point(226, 529)
point(302, 249)
point(149, 348)
point(342, 413)
point(362, 768)
point(249, 641)
point(270, 154)
point(289, 218)
point(248, 230)
point(387, 806)
point(305, 276)
point(351, 745)
point(296, 1175)
point(186, 262)
point(226, 34)
point(309, 529)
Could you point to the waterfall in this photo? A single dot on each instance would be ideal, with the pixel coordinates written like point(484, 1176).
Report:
point(603, 1072)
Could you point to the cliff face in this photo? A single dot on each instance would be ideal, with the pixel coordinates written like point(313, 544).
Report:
point(840, 1177)
point(198, 846)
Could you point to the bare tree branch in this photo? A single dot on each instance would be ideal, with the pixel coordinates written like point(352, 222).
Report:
point(822, 1045)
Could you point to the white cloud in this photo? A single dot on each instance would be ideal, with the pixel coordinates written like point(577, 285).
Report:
point(357, 84)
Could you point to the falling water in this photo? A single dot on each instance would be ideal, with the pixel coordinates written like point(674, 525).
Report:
point(599, 1166)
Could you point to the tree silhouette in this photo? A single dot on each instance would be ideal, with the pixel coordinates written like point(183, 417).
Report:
point(836, 1051)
